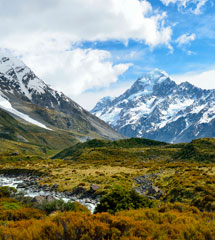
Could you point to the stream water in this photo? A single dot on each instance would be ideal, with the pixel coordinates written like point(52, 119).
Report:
point(33, 192)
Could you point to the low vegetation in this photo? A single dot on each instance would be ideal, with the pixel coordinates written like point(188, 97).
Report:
point(122, 199)
point(173, 221)
point(178, 202)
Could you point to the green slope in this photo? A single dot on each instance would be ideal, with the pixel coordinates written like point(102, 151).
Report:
point(105, 148)
point(201, 150)
point(12, 130)
point(67, 117)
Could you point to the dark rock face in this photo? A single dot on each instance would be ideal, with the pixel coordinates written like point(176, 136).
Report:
point(156, 107)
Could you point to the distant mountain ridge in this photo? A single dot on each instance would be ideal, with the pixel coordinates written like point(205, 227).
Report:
point(155, 107)
point(31, 100)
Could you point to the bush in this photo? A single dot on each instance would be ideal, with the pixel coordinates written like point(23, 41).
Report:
point(20, 214)
point(7, 191)
point(172, 221)
point(60, 205)
point(121, 199)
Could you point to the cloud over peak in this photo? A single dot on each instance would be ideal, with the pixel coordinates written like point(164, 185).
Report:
point(77, 70)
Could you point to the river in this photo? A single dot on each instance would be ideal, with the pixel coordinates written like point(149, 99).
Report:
point(17, 182)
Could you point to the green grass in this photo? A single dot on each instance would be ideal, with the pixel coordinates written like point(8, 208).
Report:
point(185, 173)
point(201, 150)
point(10, 205)
point(78, 149)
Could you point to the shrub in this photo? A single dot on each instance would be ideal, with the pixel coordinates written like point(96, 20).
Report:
point(172, 221)
point(60, 205)
point(7, 191)
point(19, 214)
point(122, 199)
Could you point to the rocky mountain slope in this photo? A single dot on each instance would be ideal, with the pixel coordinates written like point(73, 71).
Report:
point(156, 107)
point(29, 99)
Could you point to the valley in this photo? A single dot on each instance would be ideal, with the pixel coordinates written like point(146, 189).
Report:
point(173, 176)
point(62, 169)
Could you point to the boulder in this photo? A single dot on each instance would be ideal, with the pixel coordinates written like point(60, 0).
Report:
point(78, 191)
point(41, 199)
point(94, 187)
point(155, 192)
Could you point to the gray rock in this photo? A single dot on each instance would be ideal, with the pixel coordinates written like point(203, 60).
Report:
point(41, 199)
point(146, 186)
point(94, 187)
point(21, 185)
point(78, 191)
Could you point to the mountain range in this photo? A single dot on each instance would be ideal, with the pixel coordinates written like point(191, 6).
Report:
point(33, 103)
point(155, 107)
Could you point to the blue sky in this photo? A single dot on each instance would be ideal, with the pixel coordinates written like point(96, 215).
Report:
point(90, 49)
point(195, 55)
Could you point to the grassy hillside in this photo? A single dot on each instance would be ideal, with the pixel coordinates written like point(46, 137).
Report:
point(67, 116)
point(14, 130)
point(167, 222)
point(106, 149)
point(201, 150)
point(11, 148)
point(21, 220)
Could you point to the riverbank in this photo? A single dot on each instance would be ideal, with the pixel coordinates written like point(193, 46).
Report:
point(28, 183)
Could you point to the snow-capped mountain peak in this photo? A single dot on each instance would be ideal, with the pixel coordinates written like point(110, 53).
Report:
point(18, 79)
point(154, 77)
point(20, 76)
point(156, 107)
point(7, 61)
point(148, 84)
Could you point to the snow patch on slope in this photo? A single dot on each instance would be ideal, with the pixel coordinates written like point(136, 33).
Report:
point(5, 104)
point(112, 116)
point(208, 116)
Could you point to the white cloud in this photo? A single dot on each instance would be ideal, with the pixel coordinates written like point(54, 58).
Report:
point(95, 96)
point(77, 70)
point(183, 4)
point(205, 80)
point(83, 20)
point(190, 53)
point(185, 39)
point(200, 4)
